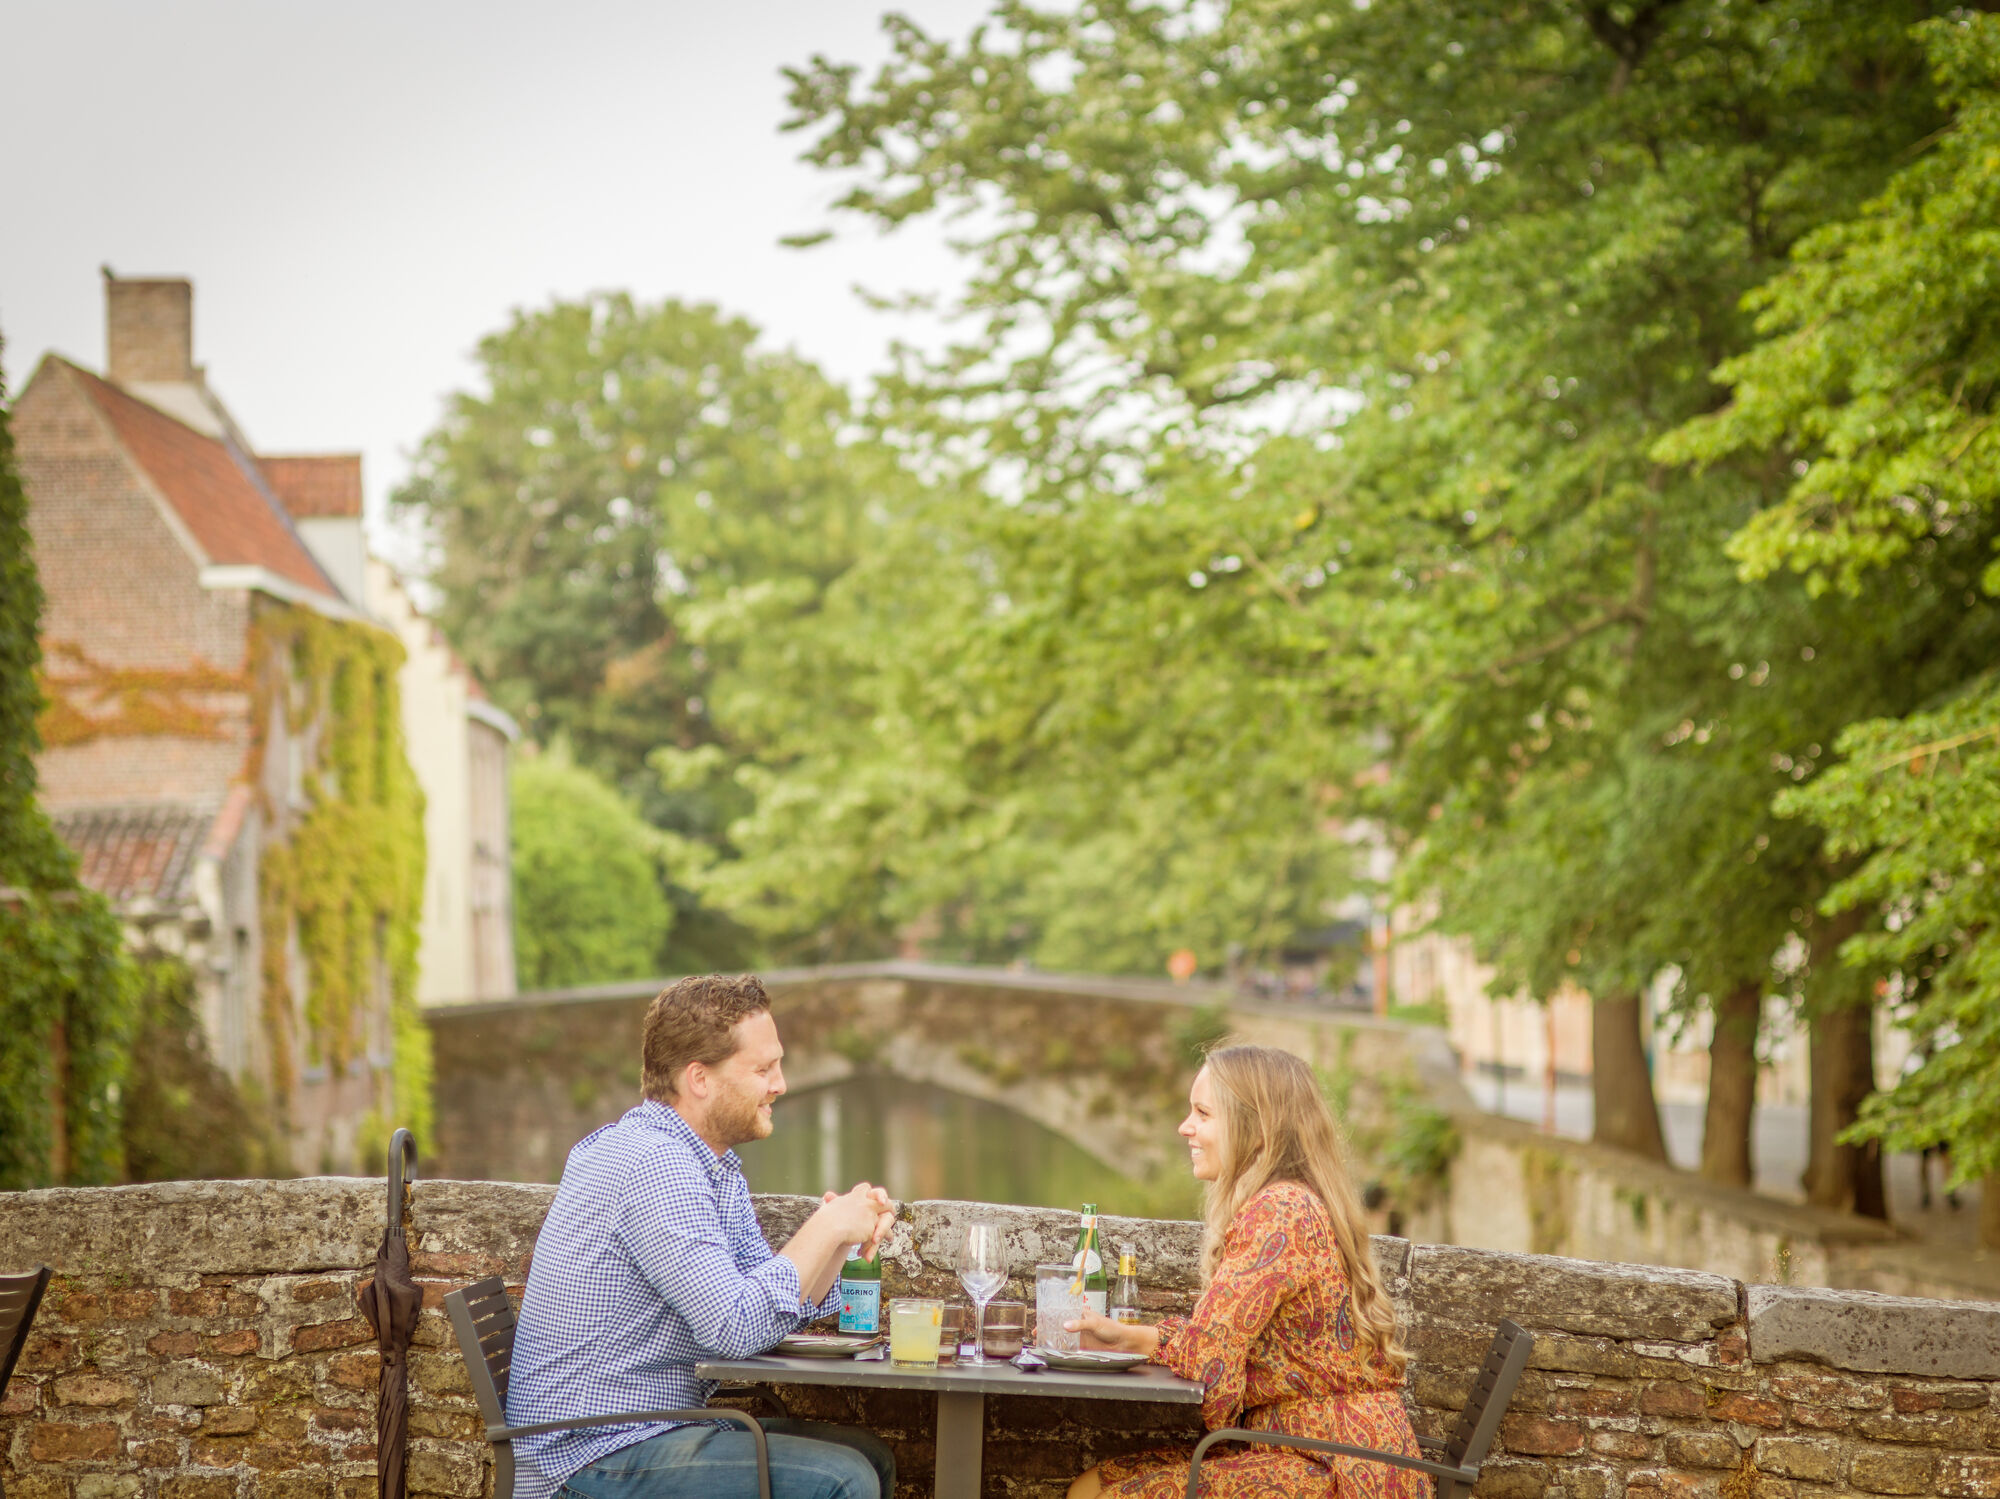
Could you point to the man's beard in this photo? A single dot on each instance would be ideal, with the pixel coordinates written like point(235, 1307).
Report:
point(735, 1119)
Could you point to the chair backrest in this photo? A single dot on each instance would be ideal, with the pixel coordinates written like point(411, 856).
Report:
point(20, 1295)
point(1480, 1420)
point(483, 1318)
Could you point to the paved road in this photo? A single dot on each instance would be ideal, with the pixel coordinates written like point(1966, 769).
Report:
point(1778, 1150)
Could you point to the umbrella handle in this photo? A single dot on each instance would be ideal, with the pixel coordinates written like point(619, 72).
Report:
point(402, 1167)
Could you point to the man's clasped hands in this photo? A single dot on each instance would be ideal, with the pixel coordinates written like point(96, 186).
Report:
point(861, 1215)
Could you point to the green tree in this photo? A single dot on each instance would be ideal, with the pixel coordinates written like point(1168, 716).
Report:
point(1873, 393)
point(993, 767)
point(588, 902)
point(626, 467)
point(1390, 305)
point(65, 984)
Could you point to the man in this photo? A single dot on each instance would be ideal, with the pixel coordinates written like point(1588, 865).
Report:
point(651, 1258)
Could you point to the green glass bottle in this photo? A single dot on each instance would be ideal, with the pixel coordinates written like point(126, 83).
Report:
point(1089, 1261)
point(860, 1293)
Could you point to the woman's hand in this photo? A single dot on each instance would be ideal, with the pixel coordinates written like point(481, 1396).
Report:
point(1101, 1332)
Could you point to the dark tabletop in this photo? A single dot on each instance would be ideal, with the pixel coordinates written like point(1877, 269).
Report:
point(1147, 1382)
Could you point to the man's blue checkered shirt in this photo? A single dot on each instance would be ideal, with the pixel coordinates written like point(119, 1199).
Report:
point(651, 1258)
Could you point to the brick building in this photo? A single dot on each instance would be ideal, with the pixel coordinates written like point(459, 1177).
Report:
point(196, 594)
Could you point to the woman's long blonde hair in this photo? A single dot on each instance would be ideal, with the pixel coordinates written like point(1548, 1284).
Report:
point(1276, 1126)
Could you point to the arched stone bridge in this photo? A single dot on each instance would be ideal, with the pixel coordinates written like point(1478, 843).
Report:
point(1103, 1062)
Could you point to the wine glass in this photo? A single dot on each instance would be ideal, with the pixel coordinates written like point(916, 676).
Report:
point(982, 1270)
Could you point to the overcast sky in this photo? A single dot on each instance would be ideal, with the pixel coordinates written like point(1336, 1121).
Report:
point(361, 190)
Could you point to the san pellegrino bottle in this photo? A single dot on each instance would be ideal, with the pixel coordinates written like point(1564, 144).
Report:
point(1089, 1261)
point(1125, 1290)
point(860, 1293)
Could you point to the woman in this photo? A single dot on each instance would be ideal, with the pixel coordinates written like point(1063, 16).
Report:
point(1294, 1331)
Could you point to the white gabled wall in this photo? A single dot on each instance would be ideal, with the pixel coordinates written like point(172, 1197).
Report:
point(438, 705)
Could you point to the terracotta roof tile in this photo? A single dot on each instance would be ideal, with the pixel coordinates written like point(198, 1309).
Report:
point(135, 853)
point(315, 485)
point(230, 517)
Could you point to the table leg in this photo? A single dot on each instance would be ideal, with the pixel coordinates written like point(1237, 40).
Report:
point(961, 1434)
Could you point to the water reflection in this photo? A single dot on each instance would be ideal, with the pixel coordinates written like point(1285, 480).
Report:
point(921, 1141)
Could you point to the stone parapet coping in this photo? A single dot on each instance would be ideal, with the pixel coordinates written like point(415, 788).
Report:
point(958, 975)
point(177, 1232)
point(1873, 1333)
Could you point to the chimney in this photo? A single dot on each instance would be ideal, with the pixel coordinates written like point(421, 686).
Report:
point(149, 331)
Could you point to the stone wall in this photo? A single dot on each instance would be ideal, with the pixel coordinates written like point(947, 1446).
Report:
point(201, 1342)
point(1515, 1188)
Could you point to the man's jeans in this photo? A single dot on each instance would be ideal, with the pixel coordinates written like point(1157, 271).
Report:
point(809, 1460)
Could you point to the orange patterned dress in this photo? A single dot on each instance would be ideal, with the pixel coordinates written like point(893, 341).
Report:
point(1273, 1340)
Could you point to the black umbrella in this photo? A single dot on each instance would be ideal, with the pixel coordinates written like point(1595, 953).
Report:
point(391, 1302)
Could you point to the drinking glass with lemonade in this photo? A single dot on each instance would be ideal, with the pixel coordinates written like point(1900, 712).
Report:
point(914, 1325)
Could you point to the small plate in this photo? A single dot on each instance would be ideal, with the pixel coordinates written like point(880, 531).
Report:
point(825, 1344)
point(1092, 1360)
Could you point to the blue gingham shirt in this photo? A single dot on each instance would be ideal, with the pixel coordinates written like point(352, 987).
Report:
point(651, 1258)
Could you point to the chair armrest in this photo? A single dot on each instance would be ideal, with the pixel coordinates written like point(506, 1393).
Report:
point(1466, 1476)
point(623, 1418)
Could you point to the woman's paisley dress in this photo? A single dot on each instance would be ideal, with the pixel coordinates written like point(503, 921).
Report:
point(1273, 1340)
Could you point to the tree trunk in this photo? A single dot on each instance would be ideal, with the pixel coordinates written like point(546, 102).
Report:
point(1732, 1087)
point(1621, 1087)
point(1846, 1178)
point(1989, 1211)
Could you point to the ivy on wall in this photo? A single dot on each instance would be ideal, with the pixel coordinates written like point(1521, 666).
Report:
point(65, 985)
point(349, 877)
point(86, 699)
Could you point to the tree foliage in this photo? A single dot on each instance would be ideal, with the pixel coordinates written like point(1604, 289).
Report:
point(1875, 387)
point(65, 985)
point(1388, 307)
point(626, 467)
point(1876, 376)
point(588, 903)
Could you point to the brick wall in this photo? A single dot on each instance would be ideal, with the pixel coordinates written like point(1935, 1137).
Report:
point(201, 1342)
point(121, 584)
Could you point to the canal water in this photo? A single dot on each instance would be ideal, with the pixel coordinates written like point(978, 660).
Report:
point(925, 1142)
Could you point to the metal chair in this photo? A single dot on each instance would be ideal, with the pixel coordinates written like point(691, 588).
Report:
point(483, 1318)
point(1462, 1452)
point(20, 1297)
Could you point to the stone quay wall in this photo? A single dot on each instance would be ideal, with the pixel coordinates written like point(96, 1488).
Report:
point(1512, 1187)
point(201, 1341)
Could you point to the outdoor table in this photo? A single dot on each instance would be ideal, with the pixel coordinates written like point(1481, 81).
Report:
point(961, 1396)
